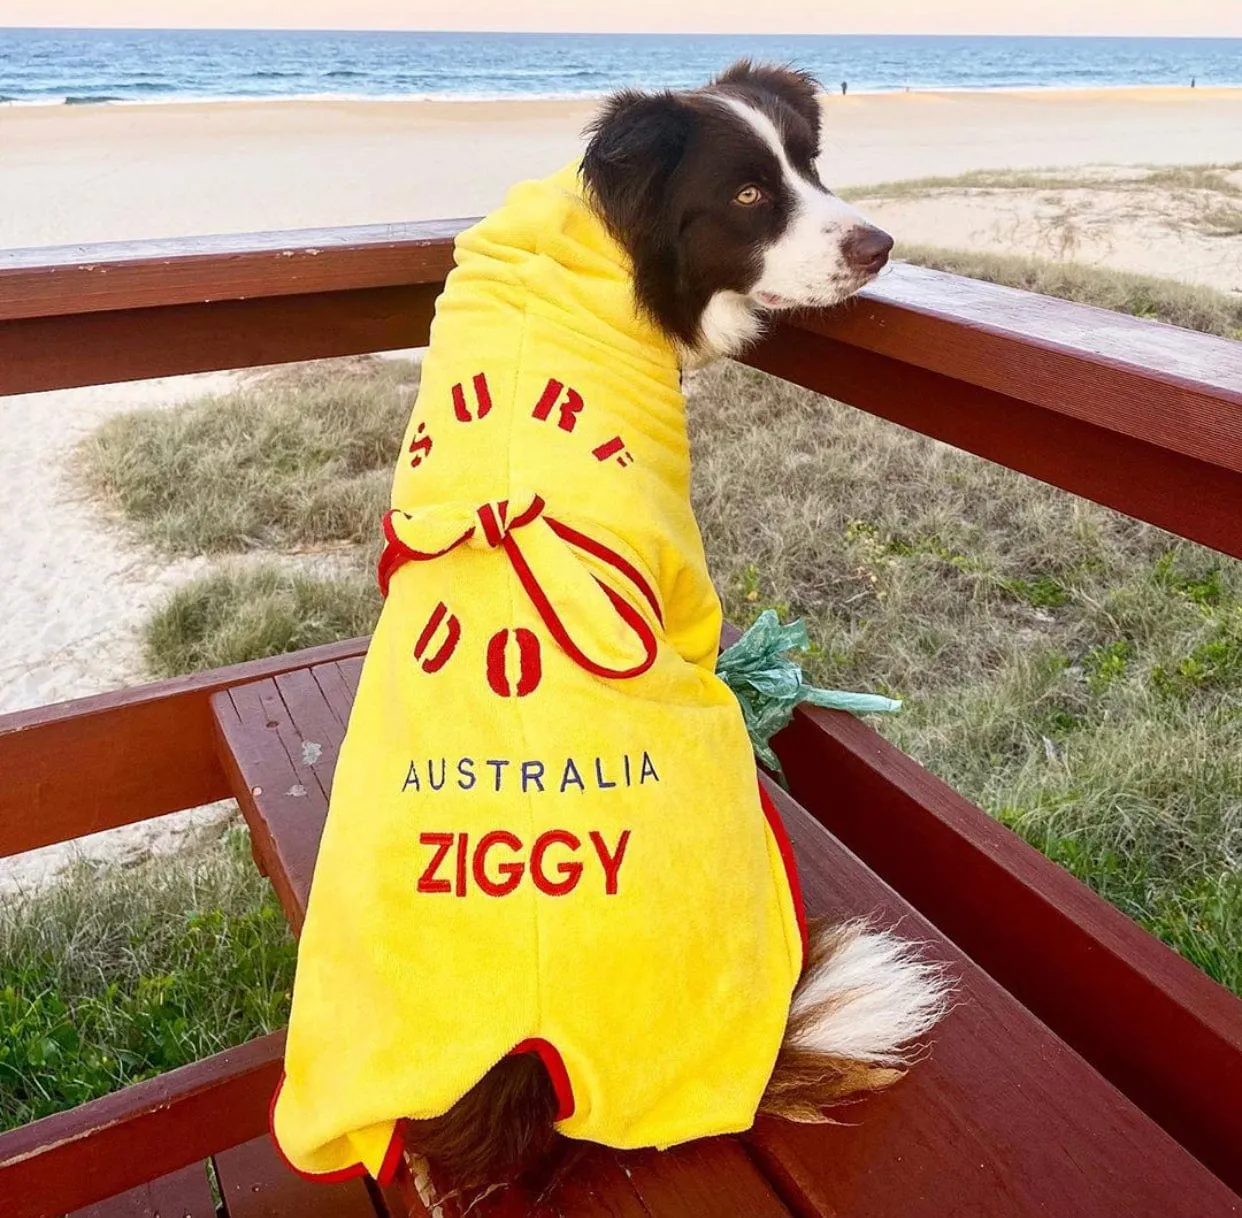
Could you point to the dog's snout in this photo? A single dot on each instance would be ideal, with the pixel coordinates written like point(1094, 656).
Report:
point(866, 248)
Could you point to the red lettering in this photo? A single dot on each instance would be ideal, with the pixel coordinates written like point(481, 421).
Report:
point(570, 409)
point(482, 396)
point(529, 663)
point(611, 863)
point(512, 872)
point(571, 871)
point(439, 615)
point(543, 407)
point(420, 446)
point(443, 842)
point(462, 840)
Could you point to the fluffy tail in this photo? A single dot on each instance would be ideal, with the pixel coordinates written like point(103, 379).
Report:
point(865, 997)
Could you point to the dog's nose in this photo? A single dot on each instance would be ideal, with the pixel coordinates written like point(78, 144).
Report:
point(866, 248)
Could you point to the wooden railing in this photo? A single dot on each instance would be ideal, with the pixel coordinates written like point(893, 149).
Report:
point(1135, 415)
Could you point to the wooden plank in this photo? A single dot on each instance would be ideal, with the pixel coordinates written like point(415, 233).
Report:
point(1001, 1119)
point(1197, 497)
point(1174, 388)
point(254, 1183)
point(180, 1194)
point(63, 352)
point(1157, 1027)
point(74, 279)
point(119, 1142)
point(286, 816)
point(95, 763)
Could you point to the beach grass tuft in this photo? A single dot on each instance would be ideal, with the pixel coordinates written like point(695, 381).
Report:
point(249, 610)
point(294, 459)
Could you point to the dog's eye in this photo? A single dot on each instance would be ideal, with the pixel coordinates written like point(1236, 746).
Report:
point(748, 196)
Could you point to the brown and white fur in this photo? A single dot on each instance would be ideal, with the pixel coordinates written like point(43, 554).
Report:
point(716, 197)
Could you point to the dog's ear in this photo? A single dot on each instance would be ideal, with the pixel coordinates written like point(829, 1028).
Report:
point(796, 88)
point(635, 143)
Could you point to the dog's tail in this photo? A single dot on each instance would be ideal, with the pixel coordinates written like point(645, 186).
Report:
point(865, 999)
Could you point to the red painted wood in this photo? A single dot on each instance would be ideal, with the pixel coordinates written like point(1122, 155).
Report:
point(180, 1194)
point(98, 1150)
point(1158, 1028)
point(256, 1184)
point(65, 351)
point(1197, 497)
point(1166, 386)
point(95, 763)
point(71, 279)
point(1001, 1119)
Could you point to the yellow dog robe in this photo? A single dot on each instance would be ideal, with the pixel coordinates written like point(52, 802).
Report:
point(545, 829)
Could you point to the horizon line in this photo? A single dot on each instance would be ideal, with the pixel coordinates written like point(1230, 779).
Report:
point(324, 29)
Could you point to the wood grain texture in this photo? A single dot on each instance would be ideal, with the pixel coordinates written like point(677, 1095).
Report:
point(1157, 1027)
point(111, 1145)
point(63, 352)
point(68, 279)
point(180, 1194)
point(1175, 388)
point(254, 1183)
point(1002, 1118)
point(90, 764)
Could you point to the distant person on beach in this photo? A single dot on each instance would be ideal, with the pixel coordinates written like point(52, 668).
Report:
point(845, 87)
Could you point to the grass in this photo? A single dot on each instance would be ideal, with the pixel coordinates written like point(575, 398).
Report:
point(1167, 300)
point(118, 975)
point(1222, 222)
point(1210, 179)
point(296, 459)
point(1075, 672)
point(248, 611)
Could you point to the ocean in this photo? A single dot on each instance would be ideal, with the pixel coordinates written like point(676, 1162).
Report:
point(80, 67)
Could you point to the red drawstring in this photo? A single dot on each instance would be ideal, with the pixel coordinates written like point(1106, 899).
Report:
point(498, 532)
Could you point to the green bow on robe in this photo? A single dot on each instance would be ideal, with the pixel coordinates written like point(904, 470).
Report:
point(769, 685)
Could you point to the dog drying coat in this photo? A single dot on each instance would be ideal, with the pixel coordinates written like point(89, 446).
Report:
point(545, 829)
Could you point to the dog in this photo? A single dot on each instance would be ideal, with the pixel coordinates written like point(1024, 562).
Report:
point(551, 895)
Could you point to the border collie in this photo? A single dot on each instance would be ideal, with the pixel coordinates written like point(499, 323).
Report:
point(716, 198)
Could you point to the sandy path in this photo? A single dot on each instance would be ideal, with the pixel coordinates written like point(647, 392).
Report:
point(70, 174)
point(75, 591)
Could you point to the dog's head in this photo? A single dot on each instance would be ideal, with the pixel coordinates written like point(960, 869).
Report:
point(716, 197)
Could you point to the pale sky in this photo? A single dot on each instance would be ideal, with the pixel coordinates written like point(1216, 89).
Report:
point(1162, 17)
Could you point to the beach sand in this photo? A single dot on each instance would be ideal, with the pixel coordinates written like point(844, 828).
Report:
point(76, 590)
point(104, 173)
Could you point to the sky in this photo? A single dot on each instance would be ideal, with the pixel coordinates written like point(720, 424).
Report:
point(1136, 17)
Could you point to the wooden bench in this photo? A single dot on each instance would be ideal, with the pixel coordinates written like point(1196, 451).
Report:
point(1003, 1118)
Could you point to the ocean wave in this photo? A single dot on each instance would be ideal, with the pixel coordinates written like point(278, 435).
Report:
point(92, 99)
